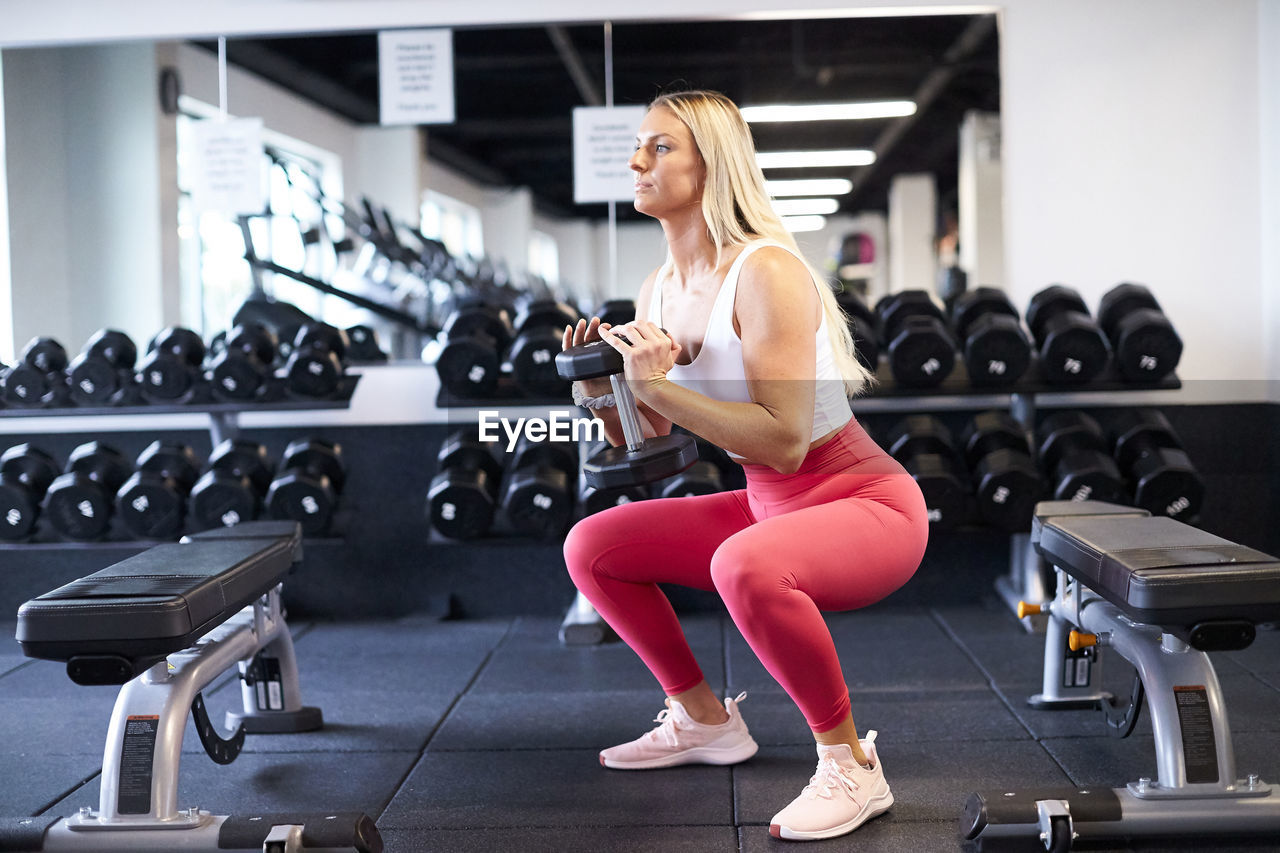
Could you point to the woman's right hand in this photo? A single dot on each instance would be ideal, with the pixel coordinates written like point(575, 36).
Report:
point(584, 332)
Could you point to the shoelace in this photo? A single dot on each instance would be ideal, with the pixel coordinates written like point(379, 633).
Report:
point(668, 729)
point(827, 777)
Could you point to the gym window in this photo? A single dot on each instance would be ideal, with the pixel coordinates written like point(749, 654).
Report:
point(454, 223)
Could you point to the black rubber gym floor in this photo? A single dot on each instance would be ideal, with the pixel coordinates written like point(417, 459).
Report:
point(481, 735)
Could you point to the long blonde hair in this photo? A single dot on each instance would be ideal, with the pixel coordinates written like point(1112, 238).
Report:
point(737, 209)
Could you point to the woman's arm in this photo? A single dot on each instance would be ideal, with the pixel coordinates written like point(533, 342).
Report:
point(777, 312)
point(651, 423)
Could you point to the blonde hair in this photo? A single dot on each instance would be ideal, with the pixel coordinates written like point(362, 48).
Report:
point(737, 209)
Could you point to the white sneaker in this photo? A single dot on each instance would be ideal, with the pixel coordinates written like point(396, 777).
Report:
point(683, 740)
point(841, 796)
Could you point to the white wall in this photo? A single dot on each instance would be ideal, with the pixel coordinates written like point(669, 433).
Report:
point(913, 225)
point(981, 200)
point(6, 304)
point(1269, 81)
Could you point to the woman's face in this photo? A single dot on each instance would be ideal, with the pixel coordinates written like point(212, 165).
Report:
point(669, 173)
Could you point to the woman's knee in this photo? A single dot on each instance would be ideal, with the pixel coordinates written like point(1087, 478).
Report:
point(744, 573)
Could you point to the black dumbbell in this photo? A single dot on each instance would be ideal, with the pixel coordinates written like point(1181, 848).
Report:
point(307, 484)
point(476, 334)
point(315, 366)
point(169, 374)
point(102, 374)
point(38, 379)
point(25, 475)
point(862, 325)
point(364, 346)
point(1072, 348)
point(240, 366)
point(639, 460)
point(1161, 476)
point(921, 350)
point(539, 337)
point(616, 312)
point(700, 478)
point(1146, 346)
point(537, 497)
point(592, 500)
point(464, 490)
point(926, 449)
point(996, 349)
point(1006, 482)
point(152, 503)
point(80, 501)
point(233, 485)
point(1075, 456)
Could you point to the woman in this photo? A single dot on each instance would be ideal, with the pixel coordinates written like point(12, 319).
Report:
point(738, 341)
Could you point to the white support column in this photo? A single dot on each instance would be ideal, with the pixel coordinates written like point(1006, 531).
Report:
point(507, 219)
point(6, 282)
point(981, 190)
point(913, 203)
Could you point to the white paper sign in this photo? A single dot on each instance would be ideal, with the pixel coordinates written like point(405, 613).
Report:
point(415, 76)
point(603, 140)
point(228, 173)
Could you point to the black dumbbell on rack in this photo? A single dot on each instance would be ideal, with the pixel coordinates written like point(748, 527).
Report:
point(996, 350)
point(926, 449)
point(616, 312)
point(307, 485)
point(922, 351)
point(1146, 347)
point(152, 503)
point(1076, 458)
point(863, 328)
point(25, 474)
point(102, 374)
point(38, 379)
point(463, 494)
point(540, 486)
point(475, 336)
point(80, 502)
point(1071, 347)
point(592, 500)
point(240, 364)
point(232, 488)
point(363, 345)
point(1160, 474)
point(539, 337)
point(316, 363)
point(170, 372)
point(1007, 483)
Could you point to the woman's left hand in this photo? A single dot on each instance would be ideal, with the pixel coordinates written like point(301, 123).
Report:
point(647, 354)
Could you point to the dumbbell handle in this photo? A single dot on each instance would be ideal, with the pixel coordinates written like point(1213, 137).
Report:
point(628, 413)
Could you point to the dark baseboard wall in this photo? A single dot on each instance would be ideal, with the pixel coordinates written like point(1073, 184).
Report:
point(382, 560)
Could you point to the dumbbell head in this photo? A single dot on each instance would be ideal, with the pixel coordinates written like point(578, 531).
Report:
point(991, 431)
point(241, 457)
point(306, 489)
point(1147, 348)
point(242, 362)
point(615, 312)
point(79, 503)
point(921, 350)
point(917, 434)
point(462, 494)
point(539, 338)
point(222, 498)
point(1007, 486)
point(976, 303)
point(588, 361)
point(474, 315)
point(38, 378)
point(152, 503)
point(99, 373)
point(363, 341)
point(1068, 431)
point(25, 475)
point(593, 500)
point(946, 494)
point(1163, 479)
point(996, 349)
point(167, 373)
point(1072, 349)
point(655, 459)
point(896, 307)
point(862, 326)
point(701, 478)
point(44, 354)
point(314, 367)
point(538, 494)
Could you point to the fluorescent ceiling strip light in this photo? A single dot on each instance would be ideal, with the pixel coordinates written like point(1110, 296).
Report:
point(804, 223)
point(805, 206)
point(829, 112)
point(815, 159)
point(809, 186)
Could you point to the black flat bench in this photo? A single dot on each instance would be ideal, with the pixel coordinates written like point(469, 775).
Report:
point(1204, 589)
point(116, 623)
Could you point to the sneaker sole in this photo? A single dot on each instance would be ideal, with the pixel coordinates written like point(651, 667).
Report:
point(874, 808)
point(697, 755)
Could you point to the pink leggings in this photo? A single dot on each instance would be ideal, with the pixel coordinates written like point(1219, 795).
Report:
point(843, 532)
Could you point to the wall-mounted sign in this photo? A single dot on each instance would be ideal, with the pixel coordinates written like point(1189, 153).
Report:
point(603, 139)
point(415, 76)
point(228, 174)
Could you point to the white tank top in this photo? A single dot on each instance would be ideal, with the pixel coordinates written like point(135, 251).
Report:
point(718, 371)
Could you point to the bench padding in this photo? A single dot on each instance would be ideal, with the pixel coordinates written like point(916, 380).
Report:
point(161, 600)
point(1159, 570)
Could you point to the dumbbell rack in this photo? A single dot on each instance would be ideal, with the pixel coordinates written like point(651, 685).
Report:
point(223, 423)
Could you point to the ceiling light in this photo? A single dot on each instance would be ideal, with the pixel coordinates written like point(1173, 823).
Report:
point(829, 112)
point(804, 223)
point(805, 206)
point(810, 186)
point(815, 159)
